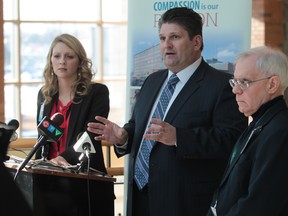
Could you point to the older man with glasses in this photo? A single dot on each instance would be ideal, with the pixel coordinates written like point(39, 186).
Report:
point(256, 181)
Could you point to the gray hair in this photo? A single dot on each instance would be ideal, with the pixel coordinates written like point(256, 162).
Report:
point(270, 61)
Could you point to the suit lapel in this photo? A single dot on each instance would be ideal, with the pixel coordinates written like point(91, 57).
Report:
point(47, 109)
point(152, 90)
point(74, 115)
point(145, 101)
point(188, 89)
point(242, 143)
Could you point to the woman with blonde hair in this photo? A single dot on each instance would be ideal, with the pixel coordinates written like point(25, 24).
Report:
point(69, 90)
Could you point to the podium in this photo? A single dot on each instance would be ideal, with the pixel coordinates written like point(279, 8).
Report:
point(59, 192)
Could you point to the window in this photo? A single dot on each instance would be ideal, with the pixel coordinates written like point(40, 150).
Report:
point(28, 33)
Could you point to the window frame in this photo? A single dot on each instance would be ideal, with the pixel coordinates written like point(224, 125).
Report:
point(18, 83)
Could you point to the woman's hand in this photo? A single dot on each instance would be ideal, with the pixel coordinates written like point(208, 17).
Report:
point(60, 161)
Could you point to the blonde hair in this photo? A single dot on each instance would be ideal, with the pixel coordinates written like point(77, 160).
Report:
point(84, 73)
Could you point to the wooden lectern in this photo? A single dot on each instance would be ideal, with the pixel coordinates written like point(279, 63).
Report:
point(52, 192)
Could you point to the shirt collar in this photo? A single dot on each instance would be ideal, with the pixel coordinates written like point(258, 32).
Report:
point(187, 72)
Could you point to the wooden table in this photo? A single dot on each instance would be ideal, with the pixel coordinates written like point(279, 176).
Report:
point(61, 192)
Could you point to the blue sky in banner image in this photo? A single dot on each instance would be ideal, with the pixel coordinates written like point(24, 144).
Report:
point(221, 46)
point(226, 31)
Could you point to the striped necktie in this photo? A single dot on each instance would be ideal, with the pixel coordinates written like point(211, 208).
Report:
point(141, 174)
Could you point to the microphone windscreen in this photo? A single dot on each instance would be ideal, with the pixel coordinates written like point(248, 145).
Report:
point(51, 128)
point(13, 123)
point(57, 118)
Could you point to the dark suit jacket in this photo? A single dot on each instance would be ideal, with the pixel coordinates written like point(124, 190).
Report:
point(255, 183)
point(182, 179)
point(96, 102)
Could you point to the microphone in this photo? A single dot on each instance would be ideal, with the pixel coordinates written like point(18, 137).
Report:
point(84, 145)
point(46, 128)
point(13, 124)
point(49, 130)
point(50, 127)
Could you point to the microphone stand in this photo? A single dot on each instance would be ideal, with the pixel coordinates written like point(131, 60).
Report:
point(44, 155)
point(39, 143)
point(44, 152)
point(80, 166)
point(87, 148)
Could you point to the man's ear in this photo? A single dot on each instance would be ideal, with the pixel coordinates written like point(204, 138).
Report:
point(274, 84)
point(198, 42)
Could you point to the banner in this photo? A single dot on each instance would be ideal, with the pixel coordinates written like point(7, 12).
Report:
point(226, 32)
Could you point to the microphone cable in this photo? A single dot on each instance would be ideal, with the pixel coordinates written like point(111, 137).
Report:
point(88, 186)
point(8, 157)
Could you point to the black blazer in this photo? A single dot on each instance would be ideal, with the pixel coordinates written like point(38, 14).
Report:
point(255, 182)
point(96, 102)
point(182, 179)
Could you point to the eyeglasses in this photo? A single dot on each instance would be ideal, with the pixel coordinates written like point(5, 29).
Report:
point(244, 84)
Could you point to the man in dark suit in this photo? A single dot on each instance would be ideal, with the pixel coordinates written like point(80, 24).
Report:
point(194, 137)
point(255, 182)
